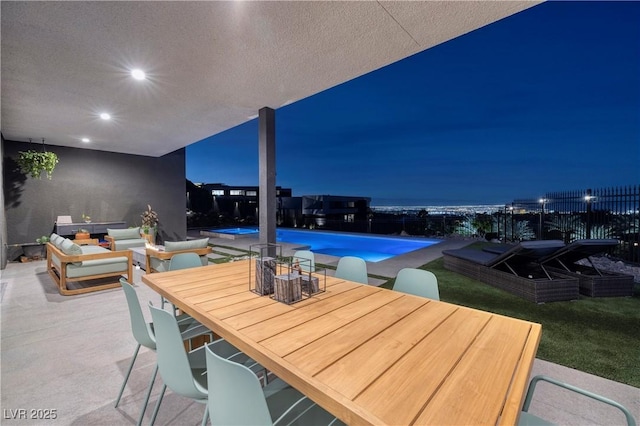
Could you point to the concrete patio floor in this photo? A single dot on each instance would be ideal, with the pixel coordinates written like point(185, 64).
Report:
point(70, 354)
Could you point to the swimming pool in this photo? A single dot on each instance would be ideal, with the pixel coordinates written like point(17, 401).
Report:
point(236, 231)
point(368, 247)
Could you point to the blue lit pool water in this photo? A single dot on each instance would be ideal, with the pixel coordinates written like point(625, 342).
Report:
point(367, 247)
point(236, 231)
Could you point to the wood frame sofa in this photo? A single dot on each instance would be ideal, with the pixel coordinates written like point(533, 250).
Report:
point(122, 239)
point(67, 261)
point(158, 260)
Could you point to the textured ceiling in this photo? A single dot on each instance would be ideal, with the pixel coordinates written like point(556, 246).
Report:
point(211, 65)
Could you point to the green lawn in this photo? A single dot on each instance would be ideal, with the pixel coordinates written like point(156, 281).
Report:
point(600, 336)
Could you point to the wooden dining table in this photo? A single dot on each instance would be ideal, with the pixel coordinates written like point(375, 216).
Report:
point(367, 354)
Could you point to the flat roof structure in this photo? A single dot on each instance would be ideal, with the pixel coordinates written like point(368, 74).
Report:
point(209, 65)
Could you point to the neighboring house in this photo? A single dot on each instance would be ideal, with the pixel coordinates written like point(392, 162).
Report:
point(307, 210)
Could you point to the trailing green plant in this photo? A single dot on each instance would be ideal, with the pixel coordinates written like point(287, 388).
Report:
point(34, 163)
point(42, 240)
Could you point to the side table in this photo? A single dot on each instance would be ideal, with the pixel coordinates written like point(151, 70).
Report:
point(139, 256)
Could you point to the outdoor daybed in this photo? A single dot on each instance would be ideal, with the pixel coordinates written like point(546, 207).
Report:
point(516, 270)
point(593, 282)
point(67, 261)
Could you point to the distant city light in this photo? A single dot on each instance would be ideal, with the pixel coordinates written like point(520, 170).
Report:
point(465, 209)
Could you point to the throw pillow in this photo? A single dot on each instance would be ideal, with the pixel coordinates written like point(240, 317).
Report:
point(70, 248)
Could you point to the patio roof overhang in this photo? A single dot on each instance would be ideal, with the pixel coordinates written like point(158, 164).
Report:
point(210, 65)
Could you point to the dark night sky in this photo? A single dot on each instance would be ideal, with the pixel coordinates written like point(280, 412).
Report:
point(545, 100)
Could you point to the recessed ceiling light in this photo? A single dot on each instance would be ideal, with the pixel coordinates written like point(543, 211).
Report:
point(86, 140)
point(138, 74)
point(105, 116)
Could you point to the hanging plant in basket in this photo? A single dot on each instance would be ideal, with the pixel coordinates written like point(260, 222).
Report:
point(33, 163)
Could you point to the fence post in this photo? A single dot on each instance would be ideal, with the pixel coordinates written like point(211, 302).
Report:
point(588, 199)
point(505, 222)
point(542, 201)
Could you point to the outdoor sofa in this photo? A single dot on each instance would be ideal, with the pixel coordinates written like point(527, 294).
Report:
point(70, 262)
point(122, 239)
point(592, 281)
point(516, 270)
point(158, 260)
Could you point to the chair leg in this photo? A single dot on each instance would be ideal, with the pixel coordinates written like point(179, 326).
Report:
point(126, 378)
point(205, 417)
point(146, 399)
point(174, 310)
point(155, 410)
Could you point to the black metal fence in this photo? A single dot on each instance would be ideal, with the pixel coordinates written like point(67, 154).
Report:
point(599, 213)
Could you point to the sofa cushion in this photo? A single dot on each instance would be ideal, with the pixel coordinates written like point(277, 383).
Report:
point(127, 244)
point(90, 249)
point(56, 239)
point(70, 248)
point(93, 249)
point(186, 245)
point(124, 234)
point(94, 266)
point(98, 266)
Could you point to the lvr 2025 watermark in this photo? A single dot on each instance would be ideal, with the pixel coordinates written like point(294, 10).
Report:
point(29, 414)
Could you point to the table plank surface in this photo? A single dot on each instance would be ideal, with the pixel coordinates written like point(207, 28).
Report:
point(366, 354)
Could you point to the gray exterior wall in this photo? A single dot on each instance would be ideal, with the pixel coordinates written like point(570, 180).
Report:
point(3, 216)
point(104, 185)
